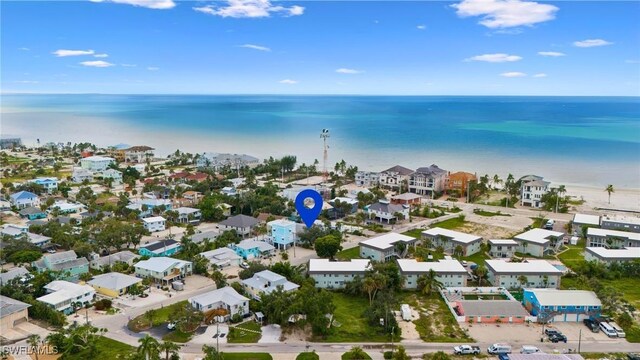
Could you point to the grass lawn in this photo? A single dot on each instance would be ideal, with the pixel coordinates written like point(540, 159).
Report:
point(439, 325)
point(572, 256)
point(246, 356)
point(488, 213)
point(353, 325)
point(178, 336)
point(479, 258)
point(106, 349)
point(161, 316)
point(353, 253)
point(450, 224)
point(416, 233)
point(308, 356)
point(239, 335)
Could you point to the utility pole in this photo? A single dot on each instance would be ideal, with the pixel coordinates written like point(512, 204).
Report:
point(579, 341)
point(218, 339)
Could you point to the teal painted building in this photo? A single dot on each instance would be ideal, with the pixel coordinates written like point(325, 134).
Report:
point(67, 263)
point(165, 248)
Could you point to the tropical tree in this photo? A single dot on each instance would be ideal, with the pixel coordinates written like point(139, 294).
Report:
point(356, 352)
point(401, 354)
point(149, 347)
point(481, 272)
point(458, 251)
point(211, 353)
point(34, 343)
point(609, 189)
point(522, 279)
point(219, 278)
point(327, 246)
point(429, 282)
point(169, 348)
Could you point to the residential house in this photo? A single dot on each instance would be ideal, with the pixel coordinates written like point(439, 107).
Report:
point(210, 235)
point(610, 256)
point(429, 180)
point(222, 257)
point(367, 178)
point(624, 223)
point(282, 232)
point(266, 281)
point(198, 177)
point(458, 182)
point(10, 143)
point(138, 154)
point(386, 247)
point(343, 210)
point(81, 174)
point(529, 273)
point(114, 284)
point(551, 305)
point(49, 184)
point(22, 232)
point(5, 205)
point(383, 210)
point(155, 223)
point(32, 213)
point(406, 199)
point(226, 209)
point(165, 247)
point(532, 189)
point(226, 298)
point(449, 240)
point(65, 296)
point(539, 242)
point(24, 199)
point(116, 151)
point(12, 313)
point(126, 257)
point(65, 207)
point(13, 273)
point(67, 262)
point(96, 163)
point(229, 191)
point(612, 239)
point(216, 161)
point(580, 221)
point(395, 177)
point(187, 215)
point(502, 248)
point(163, 270)
point(336, 274)
point(252, 249)
point(450, 273)
point(242, 224)
point(113, 174)
point(146, 206)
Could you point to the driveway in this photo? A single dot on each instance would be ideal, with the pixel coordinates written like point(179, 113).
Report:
point(270, 334)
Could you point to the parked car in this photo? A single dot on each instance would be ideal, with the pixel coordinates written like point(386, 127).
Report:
point(529, 349)
point(244, 265)
point(608, 329)
point(549, 224)
point(591, 325)
point(171, 326)
point(551, 331)
point(497, 349)
point(466, 350)
point(556, 338)
point(633, 356)
point(618, 329)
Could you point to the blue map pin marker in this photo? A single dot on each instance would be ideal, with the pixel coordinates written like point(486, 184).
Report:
point(309, 215)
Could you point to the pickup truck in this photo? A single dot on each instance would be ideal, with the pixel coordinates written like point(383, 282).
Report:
point(466, 350)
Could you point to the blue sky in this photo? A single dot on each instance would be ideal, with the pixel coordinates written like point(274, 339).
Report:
point(468, 47)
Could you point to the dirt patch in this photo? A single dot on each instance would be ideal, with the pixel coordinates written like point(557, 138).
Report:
point(295, 333)
point(493, 231)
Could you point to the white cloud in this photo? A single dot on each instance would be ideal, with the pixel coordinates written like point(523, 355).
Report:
point(101, 55)
point(506, 13)
point(26, 82)
point(63, 53)
point(551, 53)
point(128, 65)
point(288, 82)
point(24, 49)
point(153, 68)
point(255, 47)
point(151, 4)
point(97, 63)
point(513, 74)
point(348, 71)
point(495, 58)
point(250, 9)
point(421, 27)
point(591, 43)
point(540, 75)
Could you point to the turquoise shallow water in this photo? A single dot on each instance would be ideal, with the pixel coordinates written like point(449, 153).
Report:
point(588, 130)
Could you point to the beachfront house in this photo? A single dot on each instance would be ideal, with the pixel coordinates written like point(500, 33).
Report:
point(155, 223)
point(386, 247)
point(242, 224)
point(165, 247)
point(539, 242)
point(282, 232)
point(502, 248)
point(114, 284)
point(367, 178)
point(583, 221)
point(526, 274)
point(396, 177)
point(216, 161)
point(336, 274)
point(226, 299)
point(67, 297)
point(163, 270)
point(254, 249)
point(24, 199)
point(49, 184)
point(384, 211)
point(96, 163)
point(406, 199)
point(532, 189)
point(610, 256)
point(450, 273)
point(612, 239)
point(67, 262)
point(428, 181)
point(222, 257)
point(551, 305)
point(341, 209)
point(188, 215)
point(266, 281)
point(458, 183)
point(452, 241)
point(623, 223)
point(138, 154)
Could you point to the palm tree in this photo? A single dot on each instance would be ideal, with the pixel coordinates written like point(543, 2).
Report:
point(458, 251)
point(609, 189)
point(34, 343)
point(149, 347)
point(149, 315)
point(429, 282)
point(357, 353)
point(481, 272)
point(211, 353)
point(496, 181)
point(522, 280)
point(169, 348)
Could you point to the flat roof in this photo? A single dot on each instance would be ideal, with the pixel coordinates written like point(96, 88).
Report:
point(406, 196)
point(622, 219)
point(154, 219)
point(626, 253)
point(492, 308)
point(442, 266)
point(160, 264)
point(10, 306)
point(386, 241)
point(251, 244)
point(529, 267)
point(326, 266)
point(554, 297)
point(538, 236)
point(453, 235)
point(586, 219)
point(615, 233)
point(503, 242)
point(114, 281)
point(227, 295)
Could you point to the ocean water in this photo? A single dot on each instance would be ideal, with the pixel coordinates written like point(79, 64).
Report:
point(578, 140)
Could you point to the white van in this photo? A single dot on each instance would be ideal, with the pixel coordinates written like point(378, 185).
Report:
point(529, 349)
point(617, 329)
point(497, 349)
point(608, 330)
point(549, 224)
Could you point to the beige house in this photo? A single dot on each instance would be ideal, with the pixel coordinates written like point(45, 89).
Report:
point(12, 312)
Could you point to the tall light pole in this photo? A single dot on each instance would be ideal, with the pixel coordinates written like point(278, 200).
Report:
point(324, 135)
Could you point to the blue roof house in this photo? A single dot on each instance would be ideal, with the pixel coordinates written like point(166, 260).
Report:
point(252, 249)
point(166, 247)
point(550, 305)
point(50, 184)
point(283, 233)
point(24, 199)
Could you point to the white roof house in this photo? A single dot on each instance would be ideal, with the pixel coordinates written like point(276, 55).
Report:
point(153, 219)
point(249, 244)
point(452, 235)
point(538, 236)
point(267, 281)
point(613, 233)
point(226, 298)
point(387, 241)
point(161, 264)
point(325, 266)
point(554, 297)
point(114, 281)
point(605, 254)
point(62, 293)
point(222, 257)
point(442, 266)
point(503, 242)
point(585, 219)
point(528, 267)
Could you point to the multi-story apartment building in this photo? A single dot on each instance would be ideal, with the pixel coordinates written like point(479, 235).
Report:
point(429, 181)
